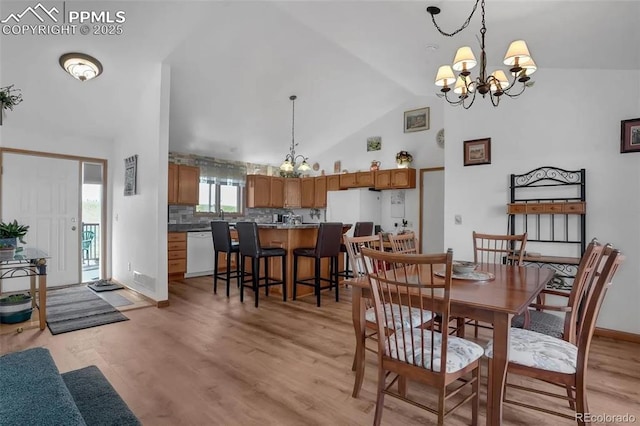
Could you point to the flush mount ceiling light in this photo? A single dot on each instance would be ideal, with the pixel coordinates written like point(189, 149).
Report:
point(496, 84)
point(81, 66)
point(289, 167)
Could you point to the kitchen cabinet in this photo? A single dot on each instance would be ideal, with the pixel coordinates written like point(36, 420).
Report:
point(333, 182)
point(292, 195)
point(177, 254)
point(258, 189)
point(277, 192)
point(183, 184)
point(357, 180)
point(320, 193)
point(307, 192)
point(395, 179)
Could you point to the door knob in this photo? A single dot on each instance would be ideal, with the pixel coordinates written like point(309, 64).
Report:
point(73, 228)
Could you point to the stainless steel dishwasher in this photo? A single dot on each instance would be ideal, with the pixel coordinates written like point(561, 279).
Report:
point(199, 254)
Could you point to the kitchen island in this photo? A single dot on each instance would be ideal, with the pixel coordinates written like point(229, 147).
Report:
point(290, 237)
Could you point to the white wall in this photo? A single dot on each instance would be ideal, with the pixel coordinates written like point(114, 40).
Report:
point(422, 145)
point(569, 119)
point(140, 221)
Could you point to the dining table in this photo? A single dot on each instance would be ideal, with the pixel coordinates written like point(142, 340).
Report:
point(502, 292)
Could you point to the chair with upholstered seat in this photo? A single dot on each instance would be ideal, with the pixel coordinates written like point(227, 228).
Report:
point(327, 246)
point(419, 354)
point(400, 313)
point(563, 327)
point(250, 246)
point(360, 229)
point(222, 244)
point(496, 248)
point(557, 361)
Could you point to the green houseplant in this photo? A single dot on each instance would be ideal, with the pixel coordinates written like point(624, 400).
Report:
point(11, 232)
point(9, 97)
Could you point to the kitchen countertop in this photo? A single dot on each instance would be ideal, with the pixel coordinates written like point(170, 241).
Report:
point(201, 227)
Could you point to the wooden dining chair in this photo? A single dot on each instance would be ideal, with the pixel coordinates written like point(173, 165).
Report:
point(543, 321)
point(419, 354)
point(406, 243)
point(557, 361)
point(353, 246)
point(492, 249)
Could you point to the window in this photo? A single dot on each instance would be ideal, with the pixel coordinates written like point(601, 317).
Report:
point(221, 187)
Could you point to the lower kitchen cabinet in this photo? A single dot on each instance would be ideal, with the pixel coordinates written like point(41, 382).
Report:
point(177, 254)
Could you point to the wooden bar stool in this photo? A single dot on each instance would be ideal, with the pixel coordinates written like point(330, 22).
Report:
point(361, 229)
point(222, 244)
point(250, 247)
point(327, 246)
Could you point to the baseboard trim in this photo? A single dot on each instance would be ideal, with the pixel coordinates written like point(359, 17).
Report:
point(144, 296)
point(617, 335)
point(162, 304)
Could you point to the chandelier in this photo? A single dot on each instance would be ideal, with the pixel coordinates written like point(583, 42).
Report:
point(495, 85)
point(289, 167)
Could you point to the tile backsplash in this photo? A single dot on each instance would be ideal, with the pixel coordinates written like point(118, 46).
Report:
point(181, 215)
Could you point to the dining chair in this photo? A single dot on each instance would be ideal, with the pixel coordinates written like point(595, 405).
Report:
point(250, 246)
point(406, 243)
point(541, 319)
point(492, 249)
point(557, 361)
point(374, 242)
point(420, 283)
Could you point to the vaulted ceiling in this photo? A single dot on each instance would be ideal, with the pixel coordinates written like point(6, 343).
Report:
point(235, 64)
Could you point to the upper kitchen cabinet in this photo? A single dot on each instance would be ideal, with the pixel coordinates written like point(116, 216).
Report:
point(395, 179)
point(258, 189)
point(357, 180)
point(320, 192)
point(277, 192)
point(307, 192)
point(333, 182)
point(183, 184)
point(292, 195)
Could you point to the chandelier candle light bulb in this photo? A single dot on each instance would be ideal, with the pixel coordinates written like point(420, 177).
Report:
point(496, 84)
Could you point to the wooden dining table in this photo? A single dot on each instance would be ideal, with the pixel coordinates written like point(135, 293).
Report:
point(494, 301)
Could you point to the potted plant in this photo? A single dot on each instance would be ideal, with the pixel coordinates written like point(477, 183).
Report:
point(9, 97)
point(403, 158)
point(10, 233)
point(15, 308)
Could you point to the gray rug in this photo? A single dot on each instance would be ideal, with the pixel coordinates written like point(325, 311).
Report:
point(97, 400)
point(76, 308)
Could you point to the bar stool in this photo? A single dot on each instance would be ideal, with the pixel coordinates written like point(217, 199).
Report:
point(361, 229)
point(327, 245)
point(250, 247)
point(222, 244)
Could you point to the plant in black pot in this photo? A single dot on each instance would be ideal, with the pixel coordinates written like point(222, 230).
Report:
point(10, 234)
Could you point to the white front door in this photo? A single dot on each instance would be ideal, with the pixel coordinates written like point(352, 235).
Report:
point(43, 193)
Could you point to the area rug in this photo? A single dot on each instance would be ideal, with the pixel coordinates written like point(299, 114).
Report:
point(97, 400)
point(76, 308)
point(104, 285)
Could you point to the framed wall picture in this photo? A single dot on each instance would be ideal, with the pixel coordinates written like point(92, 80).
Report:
point(130, 175)
point(477, 151)
point(374, 143)
point(630, 135)
point(416, 120)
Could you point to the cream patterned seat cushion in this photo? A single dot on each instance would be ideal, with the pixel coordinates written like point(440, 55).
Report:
point(460, 352)
point(538, 350)
point(401, 316)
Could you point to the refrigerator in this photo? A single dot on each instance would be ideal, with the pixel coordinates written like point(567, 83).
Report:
point(354, 205)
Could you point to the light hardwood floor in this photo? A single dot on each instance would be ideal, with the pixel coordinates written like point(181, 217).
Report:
point(206, 360)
